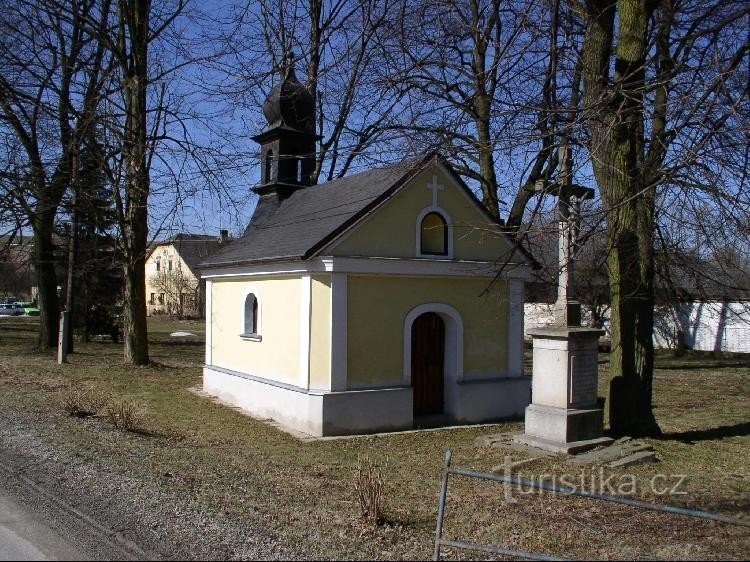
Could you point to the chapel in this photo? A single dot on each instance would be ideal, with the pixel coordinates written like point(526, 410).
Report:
point(383, 300)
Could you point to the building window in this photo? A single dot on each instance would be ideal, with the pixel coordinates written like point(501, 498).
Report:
point(158, 265)
point(251, 316)
point(269, 167)
point(153, 298)
point(299, 171)
point(170, 265)
point(434, 235)
point(161, 298)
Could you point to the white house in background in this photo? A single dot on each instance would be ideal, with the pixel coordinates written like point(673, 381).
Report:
point(704, 326)
point(707, 325)
point(173, 284)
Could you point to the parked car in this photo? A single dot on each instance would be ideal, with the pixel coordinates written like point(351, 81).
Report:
point(29, 309)
point(11, 310)
point(9, 300)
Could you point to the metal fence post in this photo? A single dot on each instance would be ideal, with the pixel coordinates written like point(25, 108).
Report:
point(62, 337)
point(441, 505)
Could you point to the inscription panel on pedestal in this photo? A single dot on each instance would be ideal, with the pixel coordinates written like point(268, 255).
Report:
point(583, 379)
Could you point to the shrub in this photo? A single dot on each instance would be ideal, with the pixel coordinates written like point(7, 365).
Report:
point(83, 403)
point(125, 414)
point(369, 485)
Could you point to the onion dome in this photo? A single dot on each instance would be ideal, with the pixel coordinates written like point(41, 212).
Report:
point(290, 104)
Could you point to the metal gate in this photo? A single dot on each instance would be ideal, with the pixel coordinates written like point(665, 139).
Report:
point(491, 549)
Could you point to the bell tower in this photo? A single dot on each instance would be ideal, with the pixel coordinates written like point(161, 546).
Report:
point(287, 146)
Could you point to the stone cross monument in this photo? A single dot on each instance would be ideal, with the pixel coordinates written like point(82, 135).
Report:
point(565, 415)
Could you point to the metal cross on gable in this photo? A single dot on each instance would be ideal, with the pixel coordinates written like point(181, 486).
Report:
point(434, 186)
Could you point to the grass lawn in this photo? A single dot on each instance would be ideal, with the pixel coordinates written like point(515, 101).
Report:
point(200, 457)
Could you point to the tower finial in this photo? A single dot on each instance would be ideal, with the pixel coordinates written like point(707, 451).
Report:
point(288, 65)
point(288, 144)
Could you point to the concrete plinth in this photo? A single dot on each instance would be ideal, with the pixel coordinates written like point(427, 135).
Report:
point(563, 425)
point(571, 448)
point(564, 415)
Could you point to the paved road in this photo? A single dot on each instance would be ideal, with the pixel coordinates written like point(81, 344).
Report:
point(24, 535)
point(34, 528)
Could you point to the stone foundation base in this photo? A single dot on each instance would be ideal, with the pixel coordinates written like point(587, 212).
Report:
point(324, 413)
point(571, 448)
point(563, 425)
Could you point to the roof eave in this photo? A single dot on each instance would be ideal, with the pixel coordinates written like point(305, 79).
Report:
point(235, 263)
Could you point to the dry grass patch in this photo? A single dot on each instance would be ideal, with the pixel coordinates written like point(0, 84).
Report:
point(125, 414)
point(83, 402)
point(228, 478)
point(370, 485)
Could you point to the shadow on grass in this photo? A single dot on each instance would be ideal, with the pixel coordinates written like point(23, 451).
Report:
point(158, 366)
point(146, 433)
point(715, 433)
point(182, 343)
point(136, 431)
point(707, 364)
point(18, 327)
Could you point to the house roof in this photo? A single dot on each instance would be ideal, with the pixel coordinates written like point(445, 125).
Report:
point(299, 226)
point(294, 228)
point(193, 248)
point(685, 277)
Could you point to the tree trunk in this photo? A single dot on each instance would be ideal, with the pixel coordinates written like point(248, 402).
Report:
point(615, 116)
point(134, 30)
point(484, 89)
point(313, 72)
point(487, 163)
point(631, 289)
point(134, 322)
point(46, 277)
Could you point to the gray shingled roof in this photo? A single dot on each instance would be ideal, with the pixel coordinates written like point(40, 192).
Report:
point(309, 218)
point(194, 248)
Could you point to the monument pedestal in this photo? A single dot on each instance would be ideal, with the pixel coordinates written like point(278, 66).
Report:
point(565, 415)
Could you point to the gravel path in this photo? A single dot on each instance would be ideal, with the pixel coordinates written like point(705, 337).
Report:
point(137, 518)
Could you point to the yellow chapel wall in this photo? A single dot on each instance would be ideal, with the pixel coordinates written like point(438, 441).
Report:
point(377, 309)
point(277, 355)
point(320, 332)
point(391, 230)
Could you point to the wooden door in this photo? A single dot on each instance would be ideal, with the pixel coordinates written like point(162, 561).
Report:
point(427, 358)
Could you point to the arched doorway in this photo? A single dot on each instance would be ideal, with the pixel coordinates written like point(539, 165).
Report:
point(428, 364)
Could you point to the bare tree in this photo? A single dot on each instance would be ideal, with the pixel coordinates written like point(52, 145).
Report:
point(640, 118)
point(138, 118)
point(481, 88)
point(134, 33)
point(181, 290)
point(52, 71)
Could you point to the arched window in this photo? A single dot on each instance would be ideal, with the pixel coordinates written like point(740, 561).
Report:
point(433, 235)
point(269, 167)
point(251, 315)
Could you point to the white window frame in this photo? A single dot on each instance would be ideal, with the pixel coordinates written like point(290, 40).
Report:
point(256, 336)
point(418, 233)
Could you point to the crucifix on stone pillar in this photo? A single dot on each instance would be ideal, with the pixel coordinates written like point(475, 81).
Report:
point(567, 309)
point(565, 415)
point(567, 306)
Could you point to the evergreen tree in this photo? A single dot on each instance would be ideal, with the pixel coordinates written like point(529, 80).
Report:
point(97, 273)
